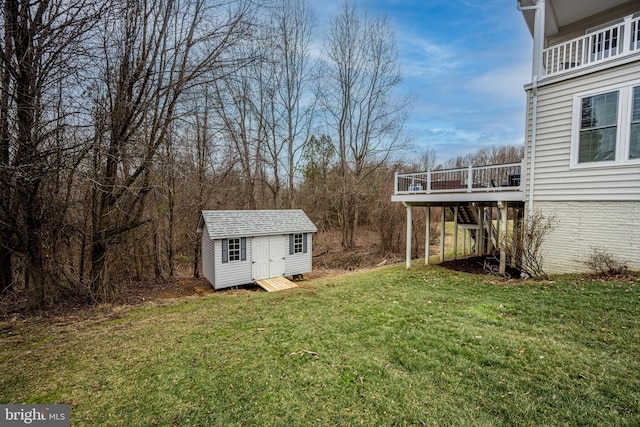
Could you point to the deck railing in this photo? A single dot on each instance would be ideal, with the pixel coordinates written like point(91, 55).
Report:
point(505, 177)
point(615, 41)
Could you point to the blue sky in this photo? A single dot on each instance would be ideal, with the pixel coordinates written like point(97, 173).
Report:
point(465, 64)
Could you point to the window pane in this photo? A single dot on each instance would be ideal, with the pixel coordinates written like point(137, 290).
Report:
point(600, 110)
point(297, 243)
point(597, 145)
point(636, 104)
point(587, 117)
point(634, 150)
point(634, 141)
point(234, 249)
point(598, 128)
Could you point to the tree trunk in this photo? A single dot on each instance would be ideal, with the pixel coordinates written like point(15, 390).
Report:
point(34, 277)
point(196, 259)
point(137, 255)
point(6, 271)
point(98, 287)
point(157, 250)
point(172, 210)
point(349, 219)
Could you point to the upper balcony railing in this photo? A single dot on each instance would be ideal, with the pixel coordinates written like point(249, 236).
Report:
point(504, 177)
point(615, 41)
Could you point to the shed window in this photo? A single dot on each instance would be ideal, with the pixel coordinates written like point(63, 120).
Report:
point(297, 243)
point(234, 250)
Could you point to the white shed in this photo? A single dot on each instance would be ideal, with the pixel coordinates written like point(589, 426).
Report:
point(242, 246)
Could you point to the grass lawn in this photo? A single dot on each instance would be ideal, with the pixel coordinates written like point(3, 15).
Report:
point(384, 347)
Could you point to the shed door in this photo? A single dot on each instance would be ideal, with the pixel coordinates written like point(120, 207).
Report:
point(268, 257)
point(276, 253)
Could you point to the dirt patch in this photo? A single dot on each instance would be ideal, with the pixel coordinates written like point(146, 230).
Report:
point(12, 304)
point(476, 265)
point(329, 256)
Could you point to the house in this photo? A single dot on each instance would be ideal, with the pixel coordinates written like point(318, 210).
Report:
point(583, 135)
point(582, 154)
point(244, 246)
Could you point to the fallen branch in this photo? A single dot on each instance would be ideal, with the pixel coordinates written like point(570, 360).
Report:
point(303, 352)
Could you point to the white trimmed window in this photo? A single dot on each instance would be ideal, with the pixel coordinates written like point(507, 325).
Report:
point(598, 128)
point(606, 127)
point(234, 250)
point(297, 243)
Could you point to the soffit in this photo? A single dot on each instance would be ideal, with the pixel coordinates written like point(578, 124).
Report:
point(560, 13)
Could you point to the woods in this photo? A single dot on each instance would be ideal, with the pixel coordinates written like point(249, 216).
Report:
point(121, 120)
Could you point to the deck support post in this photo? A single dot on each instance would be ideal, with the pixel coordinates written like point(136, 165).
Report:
point(427, 237)
point(455, 232)
point(442, 233)
point(518, 215)
point(503, 236)
point(498, 227)
point(464, 242)
point(490, 247)
point(409, 226)
point(480, 232)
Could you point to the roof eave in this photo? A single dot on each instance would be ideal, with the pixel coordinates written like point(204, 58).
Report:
point(283, 233)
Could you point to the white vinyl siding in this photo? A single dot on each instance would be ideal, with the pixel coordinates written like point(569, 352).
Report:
point(300, 263)
point(555, 178)
point(231, 273)
point(208, 269)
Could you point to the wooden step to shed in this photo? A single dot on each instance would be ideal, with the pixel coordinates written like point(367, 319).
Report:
point(275, 284)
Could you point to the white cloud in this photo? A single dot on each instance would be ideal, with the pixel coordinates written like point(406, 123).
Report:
point(464, 63)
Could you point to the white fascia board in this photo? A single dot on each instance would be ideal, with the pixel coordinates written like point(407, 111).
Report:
point(505, 196)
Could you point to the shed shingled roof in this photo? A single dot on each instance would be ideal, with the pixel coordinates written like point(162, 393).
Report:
point(223, 224)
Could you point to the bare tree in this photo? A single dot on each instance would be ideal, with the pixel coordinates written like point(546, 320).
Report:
point(6, 227)
point(318, 160)
point(357, 93)
point(428, 159)
point(153, 52)
point(491, 155)
point(293, 22)
point(241, 128)
point(41, 50)
point(202, 162)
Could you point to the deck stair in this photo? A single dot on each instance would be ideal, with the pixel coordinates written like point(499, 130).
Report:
point(468, 214)
point(469, 217)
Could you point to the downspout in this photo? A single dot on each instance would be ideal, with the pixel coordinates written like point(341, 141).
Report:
point(538, 46)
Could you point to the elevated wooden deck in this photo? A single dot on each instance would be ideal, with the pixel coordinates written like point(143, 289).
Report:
point(494, 183)
point(472, 194)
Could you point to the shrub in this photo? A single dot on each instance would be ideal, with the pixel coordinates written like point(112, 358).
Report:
point(525, 243)
point(603, 263)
